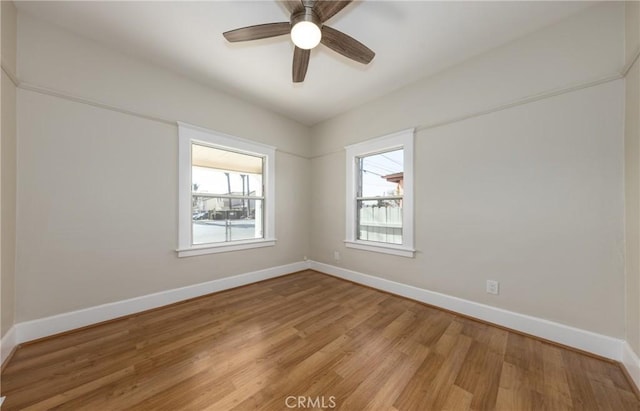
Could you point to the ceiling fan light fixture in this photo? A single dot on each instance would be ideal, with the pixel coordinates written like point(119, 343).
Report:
point(306, 35)
point(305, 29)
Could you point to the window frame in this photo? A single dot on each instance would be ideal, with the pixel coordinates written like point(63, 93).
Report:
point(188, 135)
point(400, 140)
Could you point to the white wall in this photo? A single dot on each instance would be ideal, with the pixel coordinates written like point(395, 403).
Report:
point(530, 194)
point(8, 168)
point(632, 179)
point(97, 188)
point(58, 60)
point(584, 48)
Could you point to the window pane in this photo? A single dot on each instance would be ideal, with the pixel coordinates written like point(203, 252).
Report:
point(218, 220)
point(217, 171)
point(381, 174)
point(380, 221)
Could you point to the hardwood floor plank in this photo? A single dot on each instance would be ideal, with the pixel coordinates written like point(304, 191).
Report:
point(481, 360)
point(415, 391)
point(390, 390)
point(366, 390)
point(515, 391)
point(71, 394)
point(556, 387)
point(194, 393)
point(311, 336)
point(579, 385)
point(458, 400)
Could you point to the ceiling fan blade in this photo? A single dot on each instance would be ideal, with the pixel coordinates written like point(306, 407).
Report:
point(292, 5)
point(260, 31)
point(346, 45)
point(300, 64)
point(329, 8)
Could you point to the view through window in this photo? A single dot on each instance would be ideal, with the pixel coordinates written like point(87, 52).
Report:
point(227, 195)
point(379, 197)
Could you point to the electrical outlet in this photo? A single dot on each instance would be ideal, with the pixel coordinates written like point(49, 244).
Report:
point(493, 287)
point(336, 255)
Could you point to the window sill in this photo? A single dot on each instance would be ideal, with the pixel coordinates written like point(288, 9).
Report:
point(224, 248)
point(381, 248)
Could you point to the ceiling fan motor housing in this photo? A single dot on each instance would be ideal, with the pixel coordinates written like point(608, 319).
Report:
point(306, 14)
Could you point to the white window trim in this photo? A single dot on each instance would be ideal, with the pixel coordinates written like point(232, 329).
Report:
point(189, 134)
point(402, 139)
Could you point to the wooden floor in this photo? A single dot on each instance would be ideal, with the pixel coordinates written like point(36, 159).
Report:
point(312, 336)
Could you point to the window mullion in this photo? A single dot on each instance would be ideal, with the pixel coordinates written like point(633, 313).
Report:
point(379, 198)
point(234, 197)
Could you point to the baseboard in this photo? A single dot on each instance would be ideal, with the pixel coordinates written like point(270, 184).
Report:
point(588, 341)
point(8, 344)
point(598, 344)
point(631, 363)
point(44, 327)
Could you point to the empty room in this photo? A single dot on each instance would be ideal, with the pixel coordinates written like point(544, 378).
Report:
point(350, 205)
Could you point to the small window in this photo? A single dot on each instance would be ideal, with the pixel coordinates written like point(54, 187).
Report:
point(379, 195)
point(226, 192)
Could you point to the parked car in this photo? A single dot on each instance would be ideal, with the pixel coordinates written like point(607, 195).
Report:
point(200, 215)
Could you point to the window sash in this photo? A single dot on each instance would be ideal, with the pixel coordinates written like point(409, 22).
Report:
point(360, 201)
point(232, 196)
point(379, 198)
point(215, 225)
point(379, 224)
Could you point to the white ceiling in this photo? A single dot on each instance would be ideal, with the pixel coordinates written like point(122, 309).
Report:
point(411, 39)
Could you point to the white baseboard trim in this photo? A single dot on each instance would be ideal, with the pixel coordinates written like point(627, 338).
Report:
point(605, 346)
point(7, 344)
point(44, 327)
point(599, 344)
point(632, 363)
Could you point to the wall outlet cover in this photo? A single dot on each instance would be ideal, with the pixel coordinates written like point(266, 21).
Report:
point(493, 287)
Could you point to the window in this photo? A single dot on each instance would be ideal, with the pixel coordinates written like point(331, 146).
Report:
point(380, 194)
point(226, 191)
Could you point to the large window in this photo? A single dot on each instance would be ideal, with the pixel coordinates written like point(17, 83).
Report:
point(380, 194)
point(226, 192)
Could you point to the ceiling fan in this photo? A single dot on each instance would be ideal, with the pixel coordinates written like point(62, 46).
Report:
point(307, 30)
